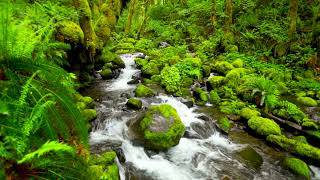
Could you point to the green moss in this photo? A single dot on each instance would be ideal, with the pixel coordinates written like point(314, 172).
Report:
point(297, 166)
point(81, 105)
point(309, 124)
point(171, 79)
point(70, 32)
point(87, 100)
point(140, 62)
point(134, 103)
point(248, 113)
point(234, 75)
point(296, 147)
point(216, 81)
point(202, 95)
point(264, 126)
point(307, 101)
point(238, 63)
point(96, 171)
point(214, 97)
point(223, 67)
point(224, 124)
point(112, 173)
point(150, 69)
point(206, 70)
point(160, 140)
point(106, 73)
point(186, 82)
point(183, 92)
point(143, 91)
point(89, 114)
point(301, 139)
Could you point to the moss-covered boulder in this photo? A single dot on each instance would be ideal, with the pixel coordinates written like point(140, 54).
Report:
point(250, 157)
point(140, 62)
point(297, 166)
point(68, 31)
point(161, 127)
point(299, 148)
point(104, 166)
point(223, 67)
point(143, 91)
point(264, 126)
point(214, 97)
point(201, 95)
point(307, 101)
point(248, 113)
point(150, 69)
point(134, 103)
point(106, 73)
point(224, 124)
point(216, 81)
point(89, 114)
point(238, 63)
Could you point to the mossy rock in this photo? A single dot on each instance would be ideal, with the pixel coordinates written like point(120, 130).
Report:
point(140, 62)
point(201, 95)
point(89, 114)
point(150, 69)
point(68, 31)
point(297, 167)
point(81, 105)
point(307, 101)
point(206, 69)
point(216, 81)
point(248, 113)
point(143, 91)
point(134, 103)
point(251, 157)
point(183, 92)
point(301, 139)
point(106, 73)
point(161, 127)
point(214, 97)
point(224, 124)
point(112, 173)
point(118, 62)
point(264, 126)
point(186, 82)
point(96, 171)
point(309, 124)
point(238, 63)
point(299, 148)
point(223, 67)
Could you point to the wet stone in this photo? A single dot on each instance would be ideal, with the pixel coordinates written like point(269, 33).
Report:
point(250, 157)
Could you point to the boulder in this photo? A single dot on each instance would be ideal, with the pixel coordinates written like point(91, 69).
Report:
point(134, 103)
point(297, 167)
point(161, 127)
point(250, 157)
point(143, 91)
point(264, 126)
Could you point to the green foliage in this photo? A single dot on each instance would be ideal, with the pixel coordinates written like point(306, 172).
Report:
point(143, 91)
point(160, 140)
point(214, 97)
point(52, 146)
point(288, 110)
point(171, 79)
point(297, 166)
point(264, 126)
point(232, 107)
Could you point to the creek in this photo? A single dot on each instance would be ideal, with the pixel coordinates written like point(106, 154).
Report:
point(204, 152)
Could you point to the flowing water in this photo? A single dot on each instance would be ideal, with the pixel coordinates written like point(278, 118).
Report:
point(203, 154)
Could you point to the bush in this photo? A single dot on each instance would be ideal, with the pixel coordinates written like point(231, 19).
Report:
point(171, 79)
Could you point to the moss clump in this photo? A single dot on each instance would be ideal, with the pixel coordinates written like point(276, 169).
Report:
point(216, 81)
point(214, 97)
point(140, 62)
point(104, 167)
point(297, 166)
point(106, 73)
point(307, 101)
point(89, 114)
point(224, 124)
point(81, 105)
point(296, 147)
point(223, 67)
point(206, 70)
point(112, 173)
point(134, 103)
point(68, 31)
point(248, 113)
point(150, 69)
point(143, 91)
point(157, 137)
point(202, 95)
point(301, 139)
point(238, 63)
point(264, 126)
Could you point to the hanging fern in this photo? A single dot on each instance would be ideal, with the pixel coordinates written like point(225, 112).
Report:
point(52, 146)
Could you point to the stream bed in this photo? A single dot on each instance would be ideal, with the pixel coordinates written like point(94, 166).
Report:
point(202, 154)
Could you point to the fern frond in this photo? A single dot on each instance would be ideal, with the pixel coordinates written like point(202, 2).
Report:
point(52, 146)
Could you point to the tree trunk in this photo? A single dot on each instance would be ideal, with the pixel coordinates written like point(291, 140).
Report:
point(293, 15)
point(229, 9)
point(214, 14)
point(132, 7)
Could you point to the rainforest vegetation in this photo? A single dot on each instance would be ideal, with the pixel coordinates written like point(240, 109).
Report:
point(256, 62)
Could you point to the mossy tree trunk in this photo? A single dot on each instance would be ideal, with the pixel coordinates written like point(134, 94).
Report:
point(132, 7)
point(293, 15)
point(228, 12)
point(214, 14)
